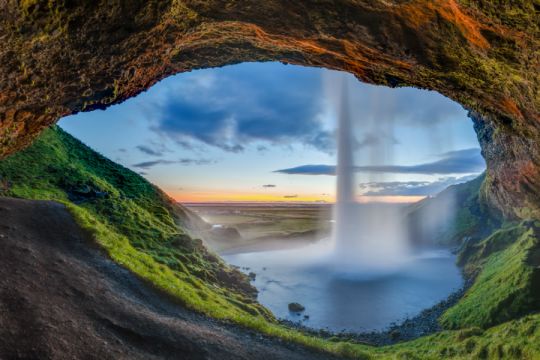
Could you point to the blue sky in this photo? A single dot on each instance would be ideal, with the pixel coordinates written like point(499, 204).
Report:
point(265, 132)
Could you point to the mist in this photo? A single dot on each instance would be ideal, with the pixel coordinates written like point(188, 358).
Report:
point(375, 237)
point(370, 255)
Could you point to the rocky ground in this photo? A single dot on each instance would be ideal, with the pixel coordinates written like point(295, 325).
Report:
point(60, 298)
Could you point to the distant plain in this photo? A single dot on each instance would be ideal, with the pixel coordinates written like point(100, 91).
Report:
point(263, 226)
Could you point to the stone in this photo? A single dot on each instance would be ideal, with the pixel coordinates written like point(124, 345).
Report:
point(66, 57)
point(296, 307)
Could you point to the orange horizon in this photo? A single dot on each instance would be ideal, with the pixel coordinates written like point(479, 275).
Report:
point(217, 197)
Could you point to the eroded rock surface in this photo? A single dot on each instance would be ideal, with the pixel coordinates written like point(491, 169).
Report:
point(65, 300)
point(59, 57)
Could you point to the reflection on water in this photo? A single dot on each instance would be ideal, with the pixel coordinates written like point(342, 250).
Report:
point(352, 301)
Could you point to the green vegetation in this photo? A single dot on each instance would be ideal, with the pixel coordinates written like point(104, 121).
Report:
point(459, 214)
point(255, 222)
point(141, 228)
point(518, 339)
point(501, 258)
point(260, 225)
point(508, 282)
point(519, 14)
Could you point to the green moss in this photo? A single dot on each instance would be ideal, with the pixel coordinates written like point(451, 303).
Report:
point(193, 292)
point(46, 17)
point(518, 14)
point(470, 219)
point(130, 213)
point(505, 287)
point(518, 339)
point(141, 228)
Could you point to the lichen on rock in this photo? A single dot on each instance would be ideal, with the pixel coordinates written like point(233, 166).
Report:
point(58, 58)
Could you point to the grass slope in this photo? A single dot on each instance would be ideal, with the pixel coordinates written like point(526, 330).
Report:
point(451, 216)
point(141, 228)
point(508, 281)
point(138, 225)
point(501, 257)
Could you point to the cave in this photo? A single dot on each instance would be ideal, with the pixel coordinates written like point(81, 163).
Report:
point(61, 57)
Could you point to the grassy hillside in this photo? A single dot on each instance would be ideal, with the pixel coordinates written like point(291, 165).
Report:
point(451, 216)
point(501, 256)
point(139, 225)
point(508, 282)
point(141, 228)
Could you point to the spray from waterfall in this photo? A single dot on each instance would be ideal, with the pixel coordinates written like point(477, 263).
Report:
point(367, 237)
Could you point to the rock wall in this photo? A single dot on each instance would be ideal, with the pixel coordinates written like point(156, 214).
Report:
point(59, 57)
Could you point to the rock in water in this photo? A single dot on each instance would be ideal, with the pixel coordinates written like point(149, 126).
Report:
point(296, 307)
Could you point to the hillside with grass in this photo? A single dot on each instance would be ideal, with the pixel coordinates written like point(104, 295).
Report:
point(138, 225)
point(501, 256)
point(455, 215)
point(142, 229)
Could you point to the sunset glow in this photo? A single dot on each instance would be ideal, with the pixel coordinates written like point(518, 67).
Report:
point(209, 197)
point(238, 134)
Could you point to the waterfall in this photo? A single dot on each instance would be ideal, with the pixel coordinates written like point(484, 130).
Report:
point(345, 194)
point(367, 237)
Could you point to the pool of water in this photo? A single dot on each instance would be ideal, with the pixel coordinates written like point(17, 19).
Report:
point(352, 300)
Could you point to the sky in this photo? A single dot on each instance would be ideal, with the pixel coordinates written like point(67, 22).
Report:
point(266, 132)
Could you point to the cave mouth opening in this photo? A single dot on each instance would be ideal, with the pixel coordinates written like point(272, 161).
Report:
point(251, 149)
point(468, 52)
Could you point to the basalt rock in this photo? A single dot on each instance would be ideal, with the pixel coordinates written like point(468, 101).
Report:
point(59, 57)
point(296, 307)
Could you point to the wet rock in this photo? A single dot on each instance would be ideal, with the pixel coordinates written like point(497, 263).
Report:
point(85, 193)
point(228, 234)
point(296, 307)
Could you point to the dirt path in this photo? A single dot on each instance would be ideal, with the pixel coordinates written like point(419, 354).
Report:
point(60, 298)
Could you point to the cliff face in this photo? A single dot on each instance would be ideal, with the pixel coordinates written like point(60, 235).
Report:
point(59, 57)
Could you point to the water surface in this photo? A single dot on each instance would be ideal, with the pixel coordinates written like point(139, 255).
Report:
point(353, 300)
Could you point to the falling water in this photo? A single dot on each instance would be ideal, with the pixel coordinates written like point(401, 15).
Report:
point(345, 197)
point(368, 237)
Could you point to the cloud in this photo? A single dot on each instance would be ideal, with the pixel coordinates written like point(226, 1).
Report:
point(269, 186)
point(464, 161)
point(149, 151)
point(243, 105)
point(454, 162)
point(404, 106)
point(411, 188)
point(374, 139)
point(150, 164)
point(290, 196)
point(270, 104)
point(309, 170)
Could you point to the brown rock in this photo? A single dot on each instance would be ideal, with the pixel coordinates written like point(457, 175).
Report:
point(59, 58)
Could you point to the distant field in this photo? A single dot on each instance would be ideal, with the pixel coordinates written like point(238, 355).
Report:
point(266, 225)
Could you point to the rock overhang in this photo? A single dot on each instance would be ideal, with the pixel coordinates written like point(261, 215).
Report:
point(61, 57)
